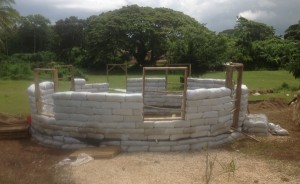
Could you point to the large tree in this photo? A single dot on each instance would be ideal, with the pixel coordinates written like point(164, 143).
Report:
point(293, 34)
point(70, 36)
point(8, 17)
point(34, 34)
point(142, 32)
point(244, 35)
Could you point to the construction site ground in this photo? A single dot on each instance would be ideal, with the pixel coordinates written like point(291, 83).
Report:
point(275, 159)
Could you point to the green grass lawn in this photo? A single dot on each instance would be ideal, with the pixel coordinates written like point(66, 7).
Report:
point(263, 80)
point(14, 99)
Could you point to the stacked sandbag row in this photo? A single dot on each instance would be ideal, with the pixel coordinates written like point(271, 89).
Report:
point(72, 142)
point(46, 92)
point(135, 85)
point(256, 123)
point(156, 136)
point(196, 83)
point(211, 108)
point(81, 86)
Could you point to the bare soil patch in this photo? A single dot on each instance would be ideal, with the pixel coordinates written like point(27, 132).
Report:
point(276, 159)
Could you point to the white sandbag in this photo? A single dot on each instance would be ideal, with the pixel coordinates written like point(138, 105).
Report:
point(79, 117)
point(62, 95)
point(160, 148)
point(210, 102)
point(199, 146)
point(215, 93)
point(203, 133)
point(102, 111)
point(79, 95)
point(115, 97)
point(79, 81)
point(224, 119)
point(193, 116)
point(71, 140)
point(31, 90)
point(62, 116)
point(277, 129)
point(134, 118)
point(132, 105)
point(210, 114)
point(135, 97)
point(46, 85)
point(197, 94)
point(98, 97)
point(179, 136)
point(110, 105)
point(137, 148)
point(180, 147)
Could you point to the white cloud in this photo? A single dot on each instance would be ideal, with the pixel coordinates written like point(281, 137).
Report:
point(257, 15)
point(91, 5)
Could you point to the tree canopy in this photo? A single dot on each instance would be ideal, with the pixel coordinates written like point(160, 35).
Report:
point(8, 16)
point(293, 34)
point(144, 33)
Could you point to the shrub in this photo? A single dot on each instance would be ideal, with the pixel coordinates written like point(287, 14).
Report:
point(15, 70)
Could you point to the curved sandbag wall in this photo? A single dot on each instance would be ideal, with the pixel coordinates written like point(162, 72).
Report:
point(99, 118)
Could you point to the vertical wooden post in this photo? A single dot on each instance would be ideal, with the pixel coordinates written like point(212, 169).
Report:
point(238, 95)
point(72, 78)
point(183, 106)
point(107, 68)
point(238, 91)
point(143, 91)
point(229, 74)
point(126, 76)
point(38, 104)
point(55, 79)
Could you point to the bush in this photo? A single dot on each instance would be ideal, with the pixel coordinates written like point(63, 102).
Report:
point(15, 70)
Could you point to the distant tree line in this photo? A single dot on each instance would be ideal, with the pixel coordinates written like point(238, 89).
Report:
point(141, 36)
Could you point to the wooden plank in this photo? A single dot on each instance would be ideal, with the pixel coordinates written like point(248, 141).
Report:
point(14, 135)
point(98, 152)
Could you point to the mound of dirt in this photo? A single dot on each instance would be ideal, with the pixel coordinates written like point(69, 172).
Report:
point(274, 104)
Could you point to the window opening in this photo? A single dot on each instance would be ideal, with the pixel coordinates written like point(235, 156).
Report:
point(163, 102)
point(112, 67)
point(65, 73)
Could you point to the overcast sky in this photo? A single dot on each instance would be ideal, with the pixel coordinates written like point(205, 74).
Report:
point(218, 15)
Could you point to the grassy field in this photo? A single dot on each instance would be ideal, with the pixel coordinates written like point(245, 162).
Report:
point(14, 99)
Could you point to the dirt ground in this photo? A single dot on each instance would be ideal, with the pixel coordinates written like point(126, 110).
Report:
point(275, 159)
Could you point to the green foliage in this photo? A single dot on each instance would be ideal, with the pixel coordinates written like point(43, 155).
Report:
point(294, 67)
point(31, 34)
point(36, 60)
point(148, 34)
point(70, 35)
point(8, 16)
point(273, 53)
point(256, 46)
point(245, 33)
point(293, 32)
point(14, 69)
